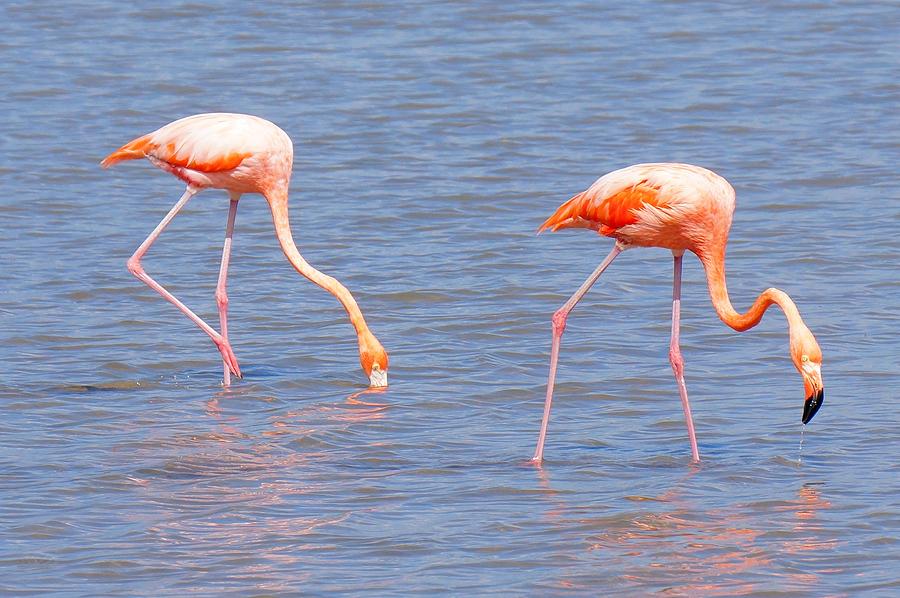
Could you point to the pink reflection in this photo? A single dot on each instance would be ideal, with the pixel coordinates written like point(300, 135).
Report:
point(353, 410)
point(807, 528)
point(721, 552)
point(222, 490)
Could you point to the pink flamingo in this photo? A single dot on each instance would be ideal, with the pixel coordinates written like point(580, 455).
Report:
point(679, 207)
point(241, 154)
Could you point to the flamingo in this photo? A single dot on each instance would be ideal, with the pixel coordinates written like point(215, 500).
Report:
point(240, 154)
point(679, 207)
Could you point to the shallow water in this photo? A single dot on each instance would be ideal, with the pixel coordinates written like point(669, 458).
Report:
point(431, 140)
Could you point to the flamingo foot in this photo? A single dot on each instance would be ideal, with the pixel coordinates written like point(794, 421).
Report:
point(228, 356)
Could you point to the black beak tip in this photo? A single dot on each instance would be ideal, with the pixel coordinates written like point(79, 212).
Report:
point(812, 404)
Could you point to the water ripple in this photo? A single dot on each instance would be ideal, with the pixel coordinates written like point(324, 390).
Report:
point(430, 142)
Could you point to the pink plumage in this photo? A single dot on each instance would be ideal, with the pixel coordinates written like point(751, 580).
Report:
point(682, 208)
point(241, 154)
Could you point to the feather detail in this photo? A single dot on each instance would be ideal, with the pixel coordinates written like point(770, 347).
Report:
point(665, 205)
point(602, 208)
point(133, 150)
point(206, 143)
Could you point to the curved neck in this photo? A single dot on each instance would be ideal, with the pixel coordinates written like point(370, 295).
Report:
point(714, 263)
point(279, 206)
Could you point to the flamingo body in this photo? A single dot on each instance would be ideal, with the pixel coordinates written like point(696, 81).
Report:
point(237, 152)
point(241, 154)
point(680, 207)
point(675, 206)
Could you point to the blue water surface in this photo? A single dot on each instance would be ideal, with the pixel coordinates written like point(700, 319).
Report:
point(431, 140)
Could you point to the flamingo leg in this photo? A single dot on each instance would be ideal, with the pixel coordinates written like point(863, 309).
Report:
point(559, 325)
point(135, 267)
point(676, 360)
point(221, 294)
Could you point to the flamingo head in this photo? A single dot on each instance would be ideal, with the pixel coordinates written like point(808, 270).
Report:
point(807, 358)
point(373, 359)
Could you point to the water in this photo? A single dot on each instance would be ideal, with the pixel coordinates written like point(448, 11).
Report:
point(431, 141)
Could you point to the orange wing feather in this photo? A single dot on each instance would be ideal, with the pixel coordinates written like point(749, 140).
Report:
point(212, 164)
point(145, 146)
point(133, 150)
point(599, 211)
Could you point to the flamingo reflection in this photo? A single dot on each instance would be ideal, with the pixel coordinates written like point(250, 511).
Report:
point(697, 552)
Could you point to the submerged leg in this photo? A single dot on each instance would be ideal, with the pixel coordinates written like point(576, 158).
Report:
point(559, 325)
point(221, 294)
point(675, 357)
point(134, 266)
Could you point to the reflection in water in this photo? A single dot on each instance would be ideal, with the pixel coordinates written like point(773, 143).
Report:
point(353, 410)
point(696, 552)
point(807, 529)
point(248, 504)
point(717, 552)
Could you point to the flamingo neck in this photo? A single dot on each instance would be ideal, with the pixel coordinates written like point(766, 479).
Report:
point(714, 263)
point(279, 205)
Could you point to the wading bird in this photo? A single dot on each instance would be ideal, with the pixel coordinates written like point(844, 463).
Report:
point(240, 154)
point(679, 207)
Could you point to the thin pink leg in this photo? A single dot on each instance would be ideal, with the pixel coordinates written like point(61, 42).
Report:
point(676, 360)
point(559, 325)
point(134, 266)
point(221, 294)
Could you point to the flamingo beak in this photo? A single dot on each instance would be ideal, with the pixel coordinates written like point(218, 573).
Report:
point(812, 404)
point(378, 378)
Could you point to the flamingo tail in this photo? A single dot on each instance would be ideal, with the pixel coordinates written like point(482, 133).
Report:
point(133, 150)
point(568, 213)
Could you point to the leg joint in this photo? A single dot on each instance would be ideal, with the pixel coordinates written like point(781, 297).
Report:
point(558, 320)
point(134, 265)
point(676, 360)
point(221, 298)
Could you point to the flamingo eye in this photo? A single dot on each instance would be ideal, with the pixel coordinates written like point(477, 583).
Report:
point(804, 358)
